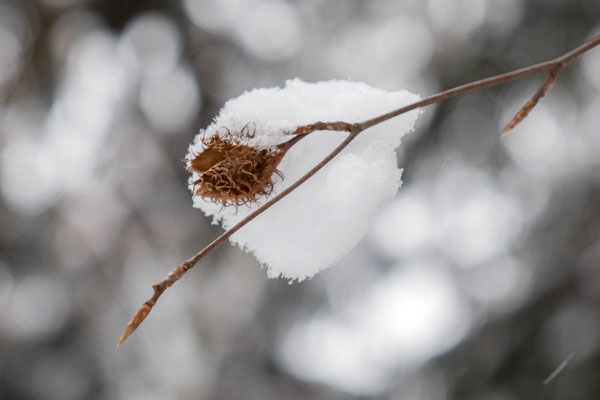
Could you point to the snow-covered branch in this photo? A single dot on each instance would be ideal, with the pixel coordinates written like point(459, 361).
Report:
point(321, 221)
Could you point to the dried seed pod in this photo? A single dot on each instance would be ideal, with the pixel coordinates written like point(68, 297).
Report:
point(232, 171)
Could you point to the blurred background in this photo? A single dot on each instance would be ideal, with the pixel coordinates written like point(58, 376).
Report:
point(477, 282)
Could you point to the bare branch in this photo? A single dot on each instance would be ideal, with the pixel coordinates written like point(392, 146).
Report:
point(554, 66)
point(561, 61)
point(178, 271)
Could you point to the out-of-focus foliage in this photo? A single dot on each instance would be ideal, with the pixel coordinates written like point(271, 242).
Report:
point(475, 283)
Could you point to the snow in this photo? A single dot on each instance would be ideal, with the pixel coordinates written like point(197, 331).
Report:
point(322, 220)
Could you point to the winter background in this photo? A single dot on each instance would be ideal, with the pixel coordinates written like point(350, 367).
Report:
point(476, 282)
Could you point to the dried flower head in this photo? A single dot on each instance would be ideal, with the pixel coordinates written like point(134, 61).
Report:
point(234, 171)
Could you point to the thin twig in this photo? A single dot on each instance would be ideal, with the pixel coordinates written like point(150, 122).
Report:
point(561, 61)
point(353, 129)
point(541, 92)
point(558, 369)
point(178, 271)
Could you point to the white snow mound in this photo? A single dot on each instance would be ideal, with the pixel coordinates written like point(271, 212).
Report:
point(322, 220)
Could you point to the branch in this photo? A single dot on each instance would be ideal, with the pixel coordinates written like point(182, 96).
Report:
point(541, 92)
point(178, 271)
point(553, 66)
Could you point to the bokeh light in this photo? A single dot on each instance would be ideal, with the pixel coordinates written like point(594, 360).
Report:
point(271, 30)
point(476, 281)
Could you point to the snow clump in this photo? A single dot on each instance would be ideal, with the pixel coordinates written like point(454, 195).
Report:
point(322, 220)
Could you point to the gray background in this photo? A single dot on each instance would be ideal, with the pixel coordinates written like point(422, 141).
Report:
point(476, 283)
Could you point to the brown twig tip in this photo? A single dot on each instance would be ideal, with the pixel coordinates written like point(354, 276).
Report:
point(541, 92)
point(137, 319)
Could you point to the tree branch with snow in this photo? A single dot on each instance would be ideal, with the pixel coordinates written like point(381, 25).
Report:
point(320, 181)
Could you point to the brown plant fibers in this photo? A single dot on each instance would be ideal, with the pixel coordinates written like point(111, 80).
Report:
point(232, 172)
